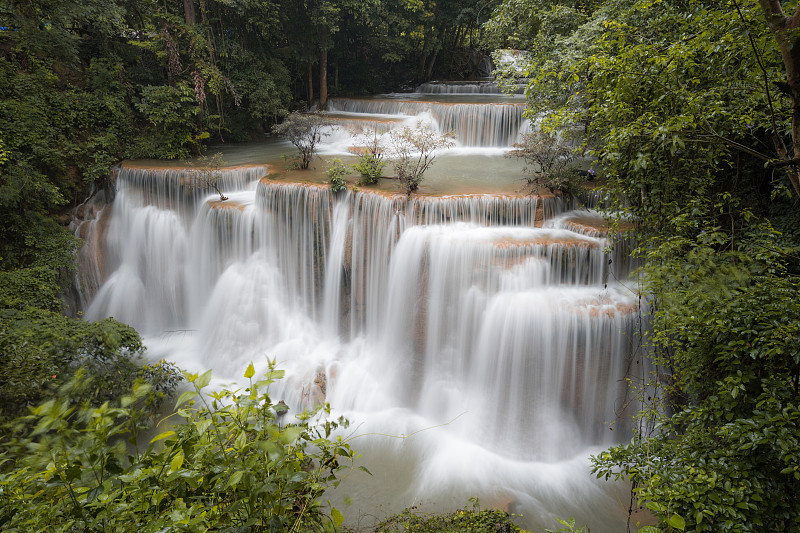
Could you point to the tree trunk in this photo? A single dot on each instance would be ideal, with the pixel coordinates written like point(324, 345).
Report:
point(323, 79)
point(787, 33)
point(188, 11)
point(310, 85)
point(429, 71)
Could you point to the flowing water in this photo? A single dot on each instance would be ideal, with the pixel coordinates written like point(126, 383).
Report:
point(479, 343)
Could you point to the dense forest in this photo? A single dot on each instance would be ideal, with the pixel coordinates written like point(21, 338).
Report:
point(688, 110)
point(691, 110)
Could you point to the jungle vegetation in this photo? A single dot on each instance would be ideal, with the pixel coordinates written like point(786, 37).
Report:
point(688, 108)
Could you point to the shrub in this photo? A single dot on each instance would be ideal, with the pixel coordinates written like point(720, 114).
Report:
point(414, 151)
point(370, 168)
point(370, 163)
point(40, 350)
point(230, 465)
point(474, 520)
point(549, 162)
point(336, 176)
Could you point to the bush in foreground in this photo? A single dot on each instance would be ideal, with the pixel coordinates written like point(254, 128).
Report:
point(229, 466)
point(474, 520)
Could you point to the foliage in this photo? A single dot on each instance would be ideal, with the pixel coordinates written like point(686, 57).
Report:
point(549, 161)
point(30, 287)
point(732, 443)
point(209, 174)
point(680, 102)
point(370, 167)
point(474, 520)
point(568, 526)
point(336, 174)
point(304, 131)
point(171, 112)
point(229, 465)
point(371, 163)
point(413, 152)
point(40, 350)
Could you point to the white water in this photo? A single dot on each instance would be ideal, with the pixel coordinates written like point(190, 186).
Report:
point(477, 354)
point(474, 87)
point(496, 124)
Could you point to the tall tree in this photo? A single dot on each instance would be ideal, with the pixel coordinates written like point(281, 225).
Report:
point(188, 10)
point(786, 30)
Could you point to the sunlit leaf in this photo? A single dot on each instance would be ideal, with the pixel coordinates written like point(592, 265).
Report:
point(162, 436)
point(337, 516)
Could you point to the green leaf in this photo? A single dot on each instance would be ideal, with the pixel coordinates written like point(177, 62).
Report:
point(250, 372)
point(275, 374)
point(234, 480)
point(162, 436)
point(677, 522)
point(202, 425)
point(184, 397)
point(364, 469)
point(290, 434)
point(176, 462)
point(337, 516)
point(203, 380)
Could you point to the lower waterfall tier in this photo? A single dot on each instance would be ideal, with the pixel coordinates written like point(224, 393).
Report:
point(500, 327)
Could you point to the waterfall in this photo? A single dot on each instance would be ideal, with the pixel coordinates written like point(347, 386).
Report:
point(481, 344)
point(474, 124)
point(464, 87)
point(499, 326)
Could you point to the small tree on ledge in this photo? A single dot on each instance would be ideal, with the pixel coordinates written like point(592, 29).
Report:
point(209, 174)
point(549, 161)
point(414, 150)
point(304, 130)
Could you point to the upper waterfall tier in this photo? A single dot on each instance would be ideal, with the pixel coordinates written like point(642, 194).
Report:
point(468, 87)
point(474, 124)
point(459, 87)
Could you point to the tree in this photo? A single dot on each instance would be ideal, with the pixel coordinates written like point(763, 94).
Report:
point(209, 174)
point(728, 457)
point(305, 131)
point(677, 102)
point(549, 161)
point(41, 350)
point(413, 152)
point(787, 34)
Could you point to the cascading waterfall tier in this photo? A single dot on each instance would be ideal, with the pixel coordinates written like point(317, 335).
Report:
point(474, 124)
point(493, 319)
point(463, 87)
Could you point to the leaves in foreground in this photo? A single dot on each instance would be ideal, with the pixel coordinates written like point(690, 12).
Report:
point(229, 465)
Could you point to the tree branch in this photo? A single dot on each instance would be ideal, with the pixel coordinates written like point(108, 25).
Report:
point(763, 71)
point(783, 163)
point(738, 146)
point(773, 12)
